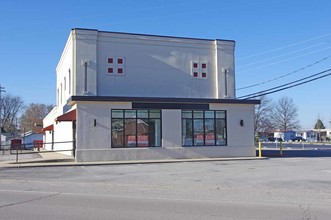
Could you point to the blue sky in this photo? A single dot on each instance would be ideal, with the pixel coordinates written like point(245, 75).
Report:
point(273, 38)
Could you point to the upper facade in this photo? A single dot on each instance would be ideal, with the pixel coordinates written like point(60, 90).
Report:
point(98, 63)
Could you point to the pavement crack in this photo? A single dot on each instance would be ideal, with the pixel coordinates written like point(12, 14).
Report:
point(306, 212)
point(30, 200)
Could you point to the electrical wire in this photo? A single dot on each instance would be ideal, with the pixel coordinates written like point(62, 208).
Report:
point(286, 46)
point(278, 56)
point(279, 88)
point(282, 76)
point(287, 59)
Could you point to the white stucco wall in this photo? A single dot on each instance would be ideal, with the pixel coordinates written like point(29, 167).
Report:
point(63, 137)
point(226, 71)
point(239, 136)
point(65, 75)
point(49, 119)
point(94, 143)
point(171, 128)
point(98, 137)
point(47, 139)
point(161, 65)
point(85, 51)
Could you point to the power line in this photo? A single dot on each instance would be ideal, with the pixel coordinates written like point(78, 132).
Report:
point(286, 46)
point(286, 84)
point(266, 92)
point(281, 55)
point(282, 76)
point(287, 59)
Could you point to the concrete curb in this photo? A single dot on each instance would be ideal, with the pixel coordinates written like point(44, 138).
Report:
point(70, 162)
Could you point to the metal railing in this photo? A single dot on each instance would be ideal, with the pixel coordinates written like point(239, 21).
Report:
point(31, 148)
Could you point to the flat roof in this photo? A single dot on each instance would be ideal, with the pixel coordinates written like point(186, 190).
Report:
point(152, 35)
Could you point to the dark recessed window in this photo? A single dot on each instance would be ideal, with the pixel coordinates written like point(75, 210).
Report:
point(204, 128)
point(136, 128)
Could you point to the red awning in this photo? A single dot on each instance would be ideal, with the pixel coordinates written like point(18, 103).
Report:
point(48, 128)
point(69, 116)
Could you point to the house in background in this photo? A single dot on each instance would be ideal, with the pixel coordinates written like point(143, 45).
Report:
point(5, 140)
point(284, 135)
point(34, 136)
point(309, 136)
point(323, 134)
point(29, 139)
point(123, 96)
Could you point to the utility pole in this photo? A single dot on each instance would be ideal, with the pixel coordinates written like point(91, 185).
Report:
point(2, 89)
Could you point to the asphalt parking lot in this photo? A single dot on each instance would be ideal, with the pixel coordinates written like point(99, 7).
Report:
point(277, 188)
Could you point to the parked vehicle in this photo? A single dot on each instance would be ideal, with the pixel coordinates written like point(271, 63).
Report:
point(263, 139)
point(298, 139)
point(273, 139)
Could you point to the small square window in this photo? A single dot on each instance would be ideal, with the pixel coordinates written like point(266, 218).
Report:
point(195, 65)
point(204, 65)
point(110, 70)
point(120, 71)
point(120, 61)
point(195, 74)
point(204, 75)
point(110, 60)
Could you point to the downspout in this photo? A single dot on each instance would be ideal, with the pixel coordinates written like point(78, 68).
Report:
point(216, 70)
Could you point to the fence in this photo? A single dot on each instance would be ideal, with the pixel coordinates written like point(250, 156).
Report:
point(33, 148)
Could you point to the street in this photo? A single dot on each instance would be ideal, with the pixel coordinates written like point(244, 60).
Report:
point(297, 145)
point(295, 149)
point(277, 188)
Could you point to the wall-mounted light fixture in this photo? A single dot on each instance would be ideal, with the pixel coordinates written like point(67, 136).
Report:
point(241, 123)
point(93, 122)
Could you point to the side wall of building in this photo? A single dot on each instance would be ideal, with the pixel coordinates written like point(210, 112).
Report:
point(65, 76)
point(63, 136)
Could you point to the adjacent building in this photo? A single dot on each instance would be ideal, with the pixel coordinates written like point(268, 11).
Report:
point(284, 135)
point(123, 96)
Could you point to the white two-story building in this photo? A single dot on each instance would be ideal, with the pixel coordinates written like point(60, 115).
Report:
point(124, 96)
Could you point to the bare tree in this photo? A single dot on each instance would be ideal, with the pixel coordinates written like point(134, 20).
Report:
point(11, 107)
point(285, 114)
point(262, 119)
point(32, 118)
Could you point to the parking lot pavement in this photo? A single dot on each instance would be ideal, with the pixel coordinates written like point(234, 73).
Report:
point(277, 188)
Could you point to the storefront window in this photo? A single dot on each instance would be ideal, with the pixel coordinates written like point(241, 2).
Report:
point(198, 132)
point(187, 126)
point(117, 128)
point(204, 128)
point(136, 128)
